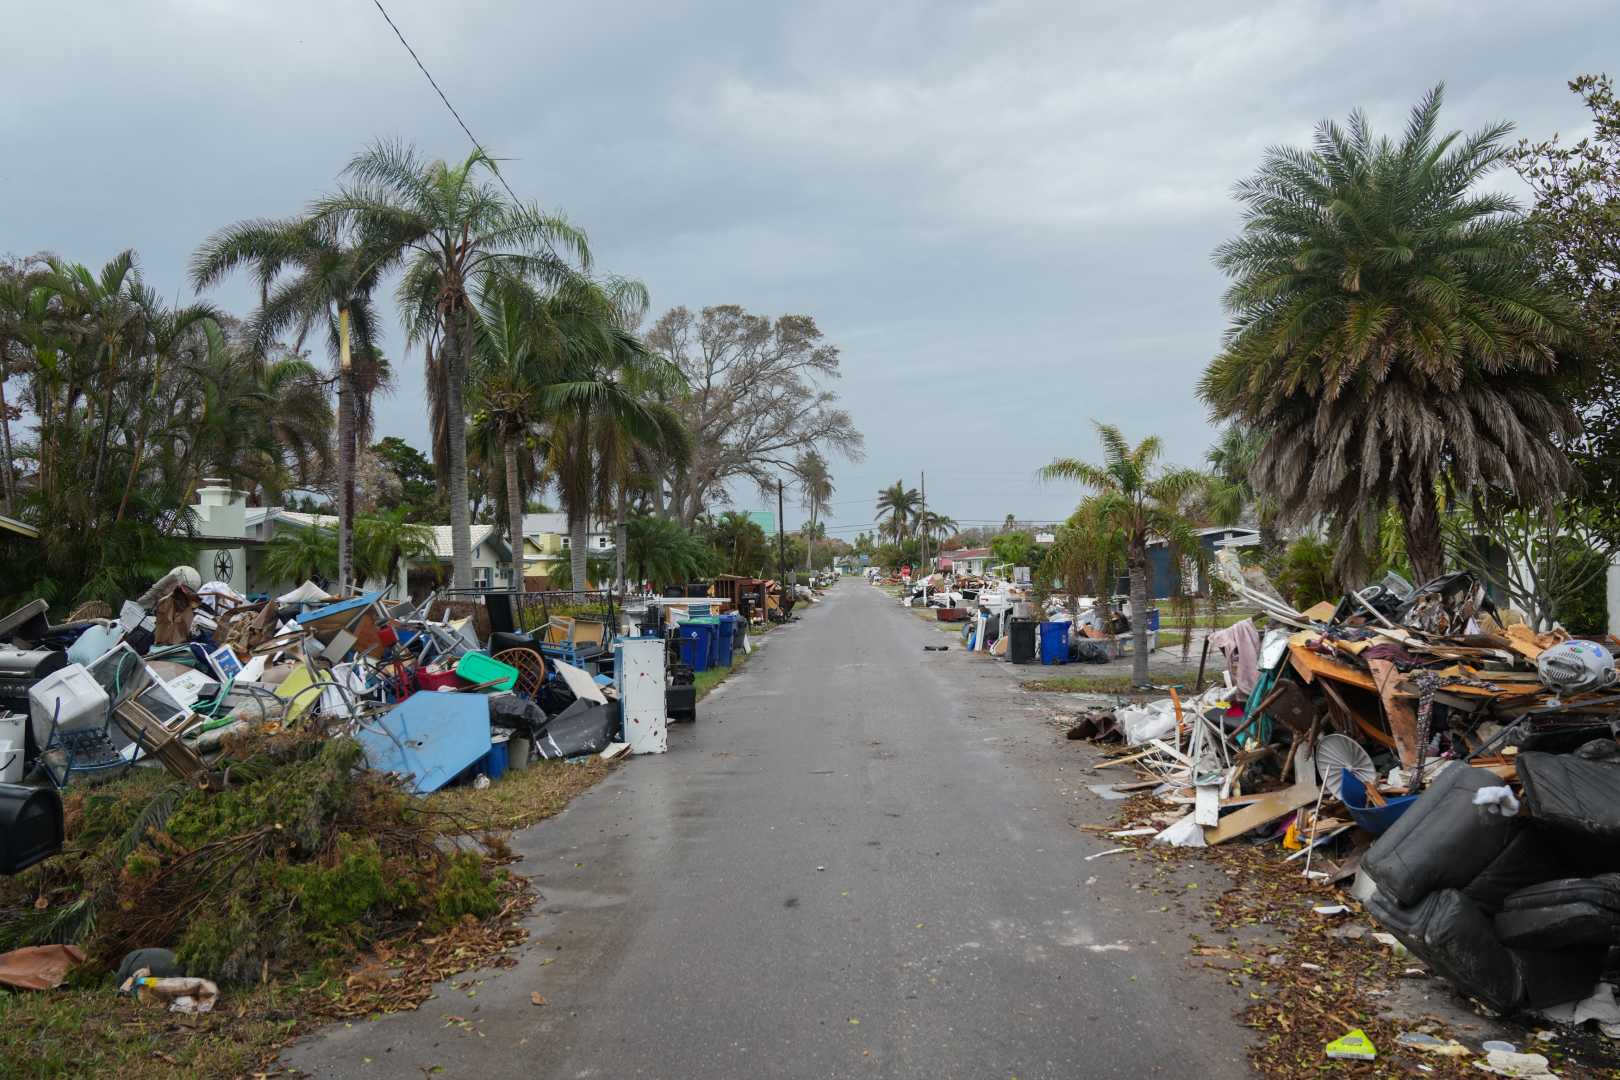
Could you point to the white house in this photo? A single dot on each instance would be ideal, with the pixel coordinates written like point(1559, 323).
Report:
point(233, 537)
point(547, 544)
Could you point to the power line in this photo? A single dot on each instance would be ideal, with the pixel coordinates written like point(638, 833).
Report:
point(433, 83)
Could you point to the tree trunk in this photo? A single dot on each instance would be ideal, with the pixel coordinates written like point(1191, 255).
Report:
point(1420, 515)
point(621, 537)
point(8, 489)
point(810, 539)
point(578, 538)
point(1139, 603)
point(514, 511)
point(453, 353)
point(345, 458)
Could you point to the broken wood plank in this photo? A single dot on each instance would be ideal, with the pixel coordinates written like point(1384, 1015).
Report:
point(1399, 712)
point(1267, 808)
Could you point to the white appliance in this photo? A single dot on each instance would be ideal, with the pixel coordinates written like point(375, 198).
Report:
point(71, 697)
point(638, 676)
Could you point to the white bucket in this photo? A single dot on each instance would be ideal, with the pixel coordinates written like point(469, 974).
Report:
point(11, 762)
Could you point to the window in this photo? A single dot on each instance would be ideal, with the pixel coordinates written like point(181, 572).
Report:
point(565, 543)
point(481, 577)
point(601, 541)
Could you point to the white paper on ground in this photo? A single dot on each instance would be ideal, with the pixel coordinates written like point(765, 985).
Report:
point(1184, 833)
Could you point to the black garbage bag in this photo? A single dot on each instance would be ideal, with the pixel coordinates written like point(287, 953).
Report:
point(518, 714)
point(1443, 841)
point(553, 697)
point(1572, 792)
point(583, 728)
point(1563, 914)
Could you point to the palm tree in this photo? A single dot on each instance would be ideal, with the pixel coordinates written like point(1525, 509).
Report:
point(816, 486)
point(309, 271)
point(602, 405)
point(935, 525)
point(899, 504)
point(265, 427)
point(383, 541)
point(663, 552)
point(1388, 335)
point(737, 537)
point(301, 553)
point(511, 367)
point(1142, 501)
point(450, 228)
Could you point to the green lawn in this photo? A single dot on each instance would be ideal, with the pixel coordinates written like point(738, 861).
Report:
point(1106, 684)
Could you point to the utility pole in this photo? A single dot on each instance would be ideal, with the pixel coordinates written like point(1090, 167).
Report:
point(923, 517)
point(781, 538)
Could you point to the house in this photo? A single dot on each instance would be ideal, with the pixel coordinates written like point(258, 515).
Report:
point(1165, 581)
point(969, 561)
point(232, 539)
point(547, 544)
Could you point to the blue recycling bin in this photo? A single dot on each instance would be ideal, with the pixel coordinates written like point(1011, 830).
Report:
point(696, 641)
point(728, 639)
point(1152, 619)
point(1055, 642)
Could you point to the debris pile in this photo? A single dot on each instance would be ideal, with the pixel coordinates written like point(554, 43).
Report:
point(1454, 768)
point(271, 755)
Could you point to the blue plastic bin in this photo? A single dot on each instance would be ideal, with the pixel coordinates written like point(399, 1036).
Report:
point(1055, 642)
point(728, 639)
point(1152, 619)
point(494, 763)
point(696, 641)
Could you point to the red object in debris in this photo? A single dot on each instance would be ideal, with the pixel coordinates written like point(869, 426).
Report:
point(430, 678)
point(386, 636)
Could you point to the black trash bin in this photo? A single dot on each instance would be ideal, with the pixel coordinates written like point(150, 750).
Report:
point(1022, 648)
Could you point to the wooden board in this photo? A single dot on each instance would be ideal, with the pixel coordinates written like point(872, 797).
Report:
point(1313, 665)
point(1398, 711)
point(1269, 807)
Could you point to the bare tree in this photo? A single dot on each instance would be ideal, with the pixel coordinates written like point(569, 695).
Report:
point(757, 400)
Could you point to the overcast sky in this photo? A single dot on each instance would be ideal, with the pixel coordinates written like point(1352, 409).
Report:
point(1001, 212)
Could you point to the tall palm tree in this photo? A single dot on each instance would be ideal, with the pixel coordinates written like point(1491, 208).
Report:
point(312, 270)
point(1142, 501)
point(450, 227)
point(16, 316)
point(600, 406)
point(1388, 333)
point(816, 487)
point(899, 504)
point(510, 369)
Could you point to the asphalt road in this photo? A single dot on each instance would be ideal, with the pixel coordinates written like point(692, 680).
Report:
point(858, 863)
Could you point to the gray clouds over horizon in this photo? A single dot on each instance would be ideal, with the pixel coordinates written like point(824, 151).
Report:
point(1002, 212)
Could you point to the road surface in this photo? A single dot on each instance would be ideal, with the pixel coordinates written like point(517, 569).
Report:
point(858, 863)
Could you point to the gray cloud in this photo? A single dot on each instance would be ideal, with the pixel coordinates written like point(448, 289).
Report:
point(1002, 211)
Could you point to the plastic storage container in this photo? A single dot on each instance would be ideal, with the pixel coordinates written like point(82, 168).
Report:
point(477, 667)
point(494, 763)
point(1055, 642)
point(696, 641)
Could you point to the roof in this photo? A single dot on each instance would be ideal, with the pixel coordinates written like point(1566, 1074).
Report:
point(556, 522)
point(966, 553)
point(442, 543)
point(21, 528)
